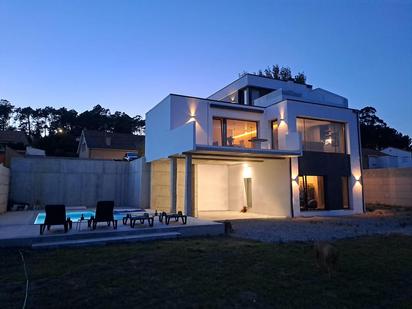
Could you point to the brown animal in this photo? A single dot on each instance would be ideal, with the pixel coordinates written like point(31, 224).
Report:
point(326, 256)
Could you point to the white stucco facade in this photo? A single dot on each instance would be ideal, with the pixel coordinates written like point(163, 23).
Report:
point(181, 126)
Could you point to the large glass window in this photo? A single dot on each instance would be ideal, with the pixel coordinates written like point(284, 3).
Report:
point(240, 133)
point(311, 192)
point(217, 132)
point(236, 133)
point(345, 192)
point(321, 135)
point(275, 141)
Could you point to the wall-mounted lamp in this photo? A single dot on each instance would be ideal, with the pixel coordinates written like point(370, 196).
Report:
point(295, 180)
point(192, 110)
point(247, 172)
point(192, 117)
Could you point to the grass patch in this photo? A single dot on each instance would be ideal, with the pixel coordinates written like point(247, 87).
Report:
point(211, 272)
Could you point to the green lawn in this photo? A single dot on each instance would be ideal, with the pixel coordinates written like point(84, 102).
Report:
point(211, 272)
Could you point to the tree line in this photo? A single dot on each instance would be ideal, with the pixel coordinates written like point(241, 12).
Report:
point(376, 134)
point(56, 130)
point(279, 73)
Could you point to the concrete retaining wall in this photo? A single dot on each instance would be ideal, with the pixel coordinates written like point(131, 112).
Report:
point(79, 182)
point(4, 187)
point(160, 185)
point(390, 186)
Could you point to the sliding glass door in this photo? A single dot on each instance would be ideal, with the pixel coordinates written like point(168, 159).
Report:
point(312, 192)
point(233, 132)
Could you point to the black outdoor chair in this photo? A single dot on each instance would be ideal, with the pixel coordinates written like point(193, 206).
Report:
point(104, 213)
point(55, 215)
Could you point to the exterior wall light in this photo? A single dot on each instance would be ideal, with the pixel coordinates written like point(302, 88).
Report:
point(295, 181)
point(282, 123)
point(192, 111)
point(247, 172)
point(358, 182)
point(192, 117)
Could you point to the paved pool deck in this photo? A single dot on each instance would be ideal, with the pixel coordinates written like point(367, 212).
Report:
point(17, 230)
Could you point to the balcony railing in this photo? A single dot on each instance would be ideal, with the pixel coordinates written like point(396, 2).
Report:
point(290, 142)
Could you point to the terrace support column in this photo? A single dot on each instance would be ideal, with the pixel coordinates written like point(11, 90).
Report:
point(188, 185)
point(173, 184)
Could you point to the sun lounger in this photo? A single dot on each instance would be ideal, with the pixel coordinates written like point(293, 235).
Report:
point(104, 213)
point(55, 215)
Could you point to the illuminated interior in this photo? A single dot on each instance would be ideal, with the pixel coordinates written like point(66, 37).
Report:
point(217, 132)
point(311, 192)
point(235, 133)
point(275, 129)
point(322, 136)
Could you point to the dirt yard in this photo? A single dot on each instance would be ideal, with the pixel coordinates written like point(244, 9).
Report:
point(378, 220)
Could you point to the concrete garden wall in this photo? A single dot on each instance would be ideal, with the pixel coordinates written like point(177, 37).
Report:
point(79, 182)
point(389, 186)
point(4, 187)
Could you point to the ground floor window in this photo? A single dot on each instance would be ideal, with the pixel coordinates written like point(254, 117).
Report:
point(275, 129)
point(311, 192)
point(345, 192)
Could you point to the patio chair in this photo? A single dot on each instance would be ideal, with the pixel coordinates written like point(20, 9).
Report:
point(55, 215)
point(104, 213)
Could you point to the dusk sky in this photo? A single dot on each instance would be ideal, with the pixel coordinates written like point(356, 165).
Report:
point(128, 55)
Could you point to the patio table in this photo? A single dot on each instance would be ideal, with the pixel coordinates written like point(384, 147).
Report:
point(174, 216)
point(79, 223)
point(142, 219)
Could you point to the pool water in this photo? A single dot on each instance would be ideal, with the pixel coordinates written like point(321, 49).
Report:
point(76, 215)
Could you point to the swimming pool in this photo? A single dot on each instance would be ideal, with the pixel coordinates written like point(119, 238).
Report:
point(75, 215)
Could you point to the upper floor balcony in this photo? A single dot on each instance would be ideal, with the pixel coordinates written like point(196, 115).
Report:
point(182, 124)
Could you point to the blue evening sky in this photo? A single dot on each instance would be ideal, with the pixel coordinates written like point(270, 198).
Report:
point(128, 55)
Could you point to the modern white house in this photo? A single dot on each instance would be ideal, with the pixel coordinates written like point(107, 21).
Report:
point(262, 145)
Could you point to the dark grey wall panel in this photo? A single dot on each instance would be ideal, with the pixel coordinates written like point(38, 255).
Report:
point(333, 166)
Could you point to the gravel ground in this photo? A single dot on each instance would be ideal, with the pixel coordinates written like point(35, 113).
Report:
point(382, 222)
